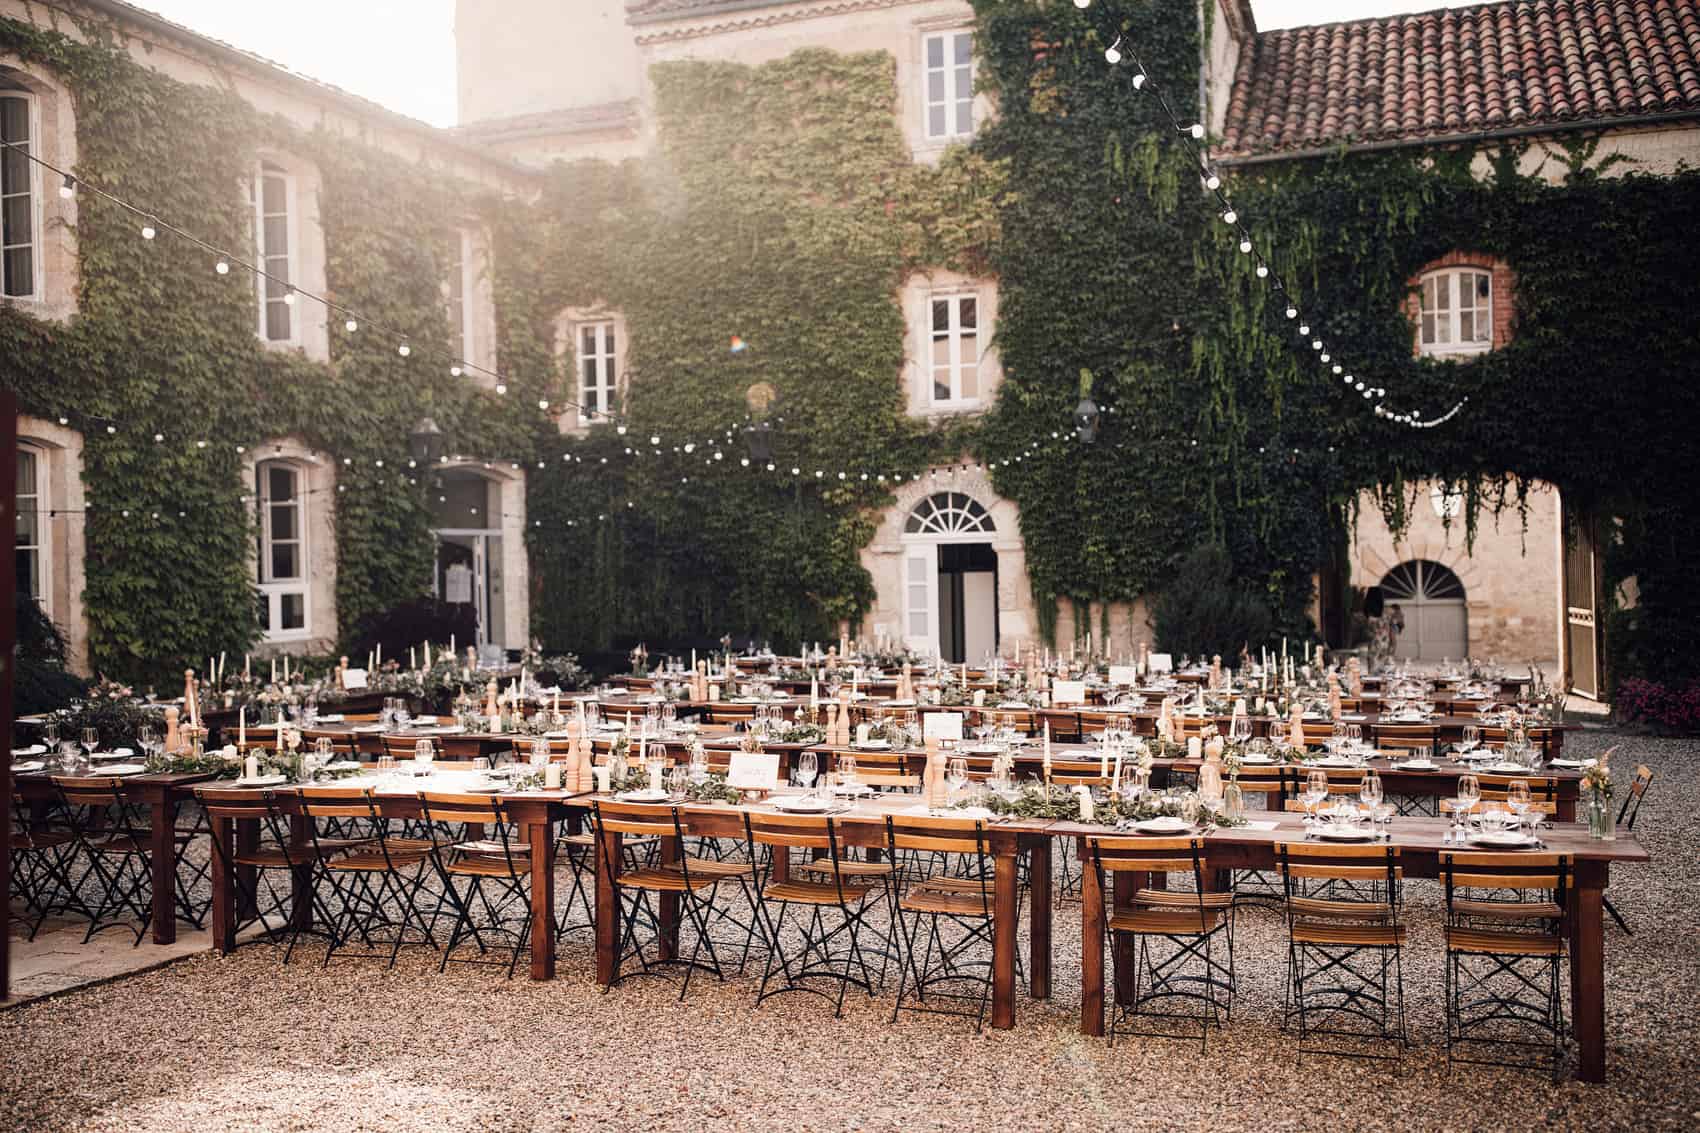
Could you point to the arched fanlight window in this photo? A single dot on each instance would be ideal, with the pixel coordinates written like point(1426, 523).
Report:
point(949, 513)
point(1421, 580)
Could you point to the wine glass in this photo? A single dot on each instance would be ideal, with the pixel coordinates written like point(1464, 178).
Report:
point(1517, 798)
point(91, 740)
point(1316, 789)
point(699, 764)
point(1369, 793)
point(423, 753)
point(539, 752)
point(1239, 729)
point(956, 775)
point(808, 766)
point(50, 735)
point(847, 772)
point(386, 766)
point(678, 781)
point(1472, 737)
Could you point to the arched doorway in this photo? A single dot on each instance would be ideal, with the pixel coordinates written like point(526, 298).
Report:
point(1431, 597)
point(950, 578)
point(466, 521)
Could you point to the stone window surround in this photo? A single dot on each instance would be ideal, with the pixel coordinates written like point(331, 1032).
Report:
point(310, 325)
point(318, 526)
point(60, 452)
point(915, 298)
point(1503, 300)
point(567, 325)
point(54, 134)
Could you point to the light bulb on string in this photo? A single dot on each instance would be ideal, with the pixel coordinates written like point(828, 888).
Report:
point(1139, 81)
point(1316, 344)
point(1113, 53)
point(1211, 181)
point(501, 388)
point(1197, 130)
point(148, 230)
point(222, 267)
point(404, 349)
point(1304, 328)
point(455, 370)
point(1083, 4)
point(1263, 271)
point(68, 188)
point(1292, 311)
point(1230, 217)
point(289, 297)
point(1245, 245)
point(1336, 367)
point(1324, 359)
point(620, 429)
point(350, 325)
point(543, 404)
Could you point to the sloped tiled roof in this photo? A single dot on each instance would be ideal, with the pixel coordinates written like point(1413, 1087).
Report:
point(1522, 64)
point(621, 115)
point(649, 11)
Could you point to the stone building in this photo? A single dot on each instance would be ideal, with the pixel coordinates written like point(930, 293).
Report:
point(542, 80)
point(1533, 70)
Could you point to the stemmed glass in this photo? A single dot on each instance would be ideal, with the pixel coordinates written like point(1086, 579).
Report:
point(956, 775)
point(1518, 800)
point(1469, 794)
point(1472, 737)
point(847, 772)
point(808, 766)
point(699, 764)
point(423, 753)
point(1239, 729)
point(1316, 789)
point(1369, 794)
point(91, 741)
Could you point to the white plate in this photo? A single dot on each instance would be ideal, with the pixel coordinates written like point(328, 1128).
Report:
point(26, 768)
point(123, 769)
point(1015, 705)
point(333, 718)
point(1346, 834)
point(115, 753)
point(1413, 765)
point(900, 704)
point(1332, 761)
point(261, 781)
point(485, 789)
point(1256, 761)
point(1503, 839)
point(33, 749)
point(873, 745)
point(343, 765)
point(981, 749)
point(1571, 763)
point(647, 795)
point(802, 805)
point(368, 729)
point(424, 719)
point(1508, 769)
point(858, 791)
point(1479, 756)
point(1166, 824)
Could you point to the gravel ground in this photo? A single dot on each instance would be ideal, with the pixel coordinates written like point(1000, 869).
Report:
point(246, 1043)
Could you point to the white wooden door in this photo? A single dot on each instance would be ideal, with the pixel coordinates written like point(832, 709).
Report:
point(921, 598)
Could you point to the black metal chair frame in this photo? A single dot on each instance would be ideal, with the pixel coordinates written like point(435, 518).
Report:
point(1372, 993)
point(1168, 978)
point(955, 964)
point(1626, 816)
point(360, 906)
point(127, 886)
point(818, 938)
point(1529, 1003)
point(448, 851)
point(632, 904)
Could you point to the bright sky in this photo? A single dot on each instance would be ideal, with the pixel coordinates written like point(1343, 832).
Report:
point(401, 53)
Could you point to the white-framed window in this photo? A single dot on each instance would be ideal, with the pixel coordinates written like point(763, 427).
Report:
point(280, 489)
point(1457, 311)
point(597, 371)
point(20, 197)
point(276, 233)
point(33, 561)
point(947, 85)
point(458, 291)
point(953, 324)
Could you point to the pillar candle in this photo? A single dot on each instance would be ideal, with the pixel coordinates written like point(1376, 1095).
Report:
point(242, 727)
point(412, 659)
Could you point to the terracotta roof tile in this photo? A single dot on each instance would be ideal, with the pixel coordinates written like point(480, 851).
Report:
point(1533, 63)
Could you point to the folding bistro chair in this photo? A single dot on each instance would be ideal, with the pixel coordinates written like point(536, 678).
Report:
point(1174, 935)
point(365, 904)
point(43, 849)
point(634, 889)
point(115, 842)
point(500, 859)
point(965, 903)
point(1626, 816)
point(1345, 940)
point(817, 959)
point(236, 805)
point(1505, 933)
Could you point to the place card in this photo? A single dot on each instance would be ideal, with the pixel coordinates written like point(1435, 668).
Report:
point(942, 726)
point(1068, 692)
point(1124, 674)
point(353, 678)
point(1161, 663)
point(753, 770)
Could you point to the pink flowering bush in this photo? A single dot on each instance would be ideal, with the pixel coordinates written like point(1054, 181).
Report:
point(1674, 708)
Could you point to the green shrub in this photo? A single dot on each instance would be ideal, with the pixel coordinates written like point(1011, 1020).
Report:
point(1204, 611)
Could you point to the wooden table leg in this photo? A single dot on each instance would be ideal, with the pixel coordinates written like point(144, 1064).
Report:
point(163, 831)
point(248, 842)
point(668, 906)
point(1091, 948)
point(223, 887)
point(1005, 888)
point(607, 904)
point(542, 834)
point(1039, 920)
point(1587, 970)
point(1126, 885)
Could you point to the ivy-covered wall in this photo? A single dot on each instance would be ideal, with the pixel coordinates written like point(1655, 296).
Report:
point(783, 208)
point(1225, 428)
point(161, 344)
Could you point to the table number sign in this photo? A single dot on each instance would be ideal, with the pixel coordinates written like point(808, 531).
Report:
point(753, 770)
point(1068, 692)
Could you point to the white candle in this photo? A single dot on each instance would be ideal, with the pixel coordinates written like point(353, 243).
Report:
point(242, 727)
point(274, 670)
point(380, 658)
point(412, 659)
point(451, 643)
point(427, 654)
point(245, 674)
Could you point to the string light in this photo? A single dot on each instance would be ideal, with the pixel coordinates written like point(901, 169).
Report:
point(148, 231)
point(68, 189)
point(222, 267)
point(404, 349)
point(1113, 53)
point(351, 325)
